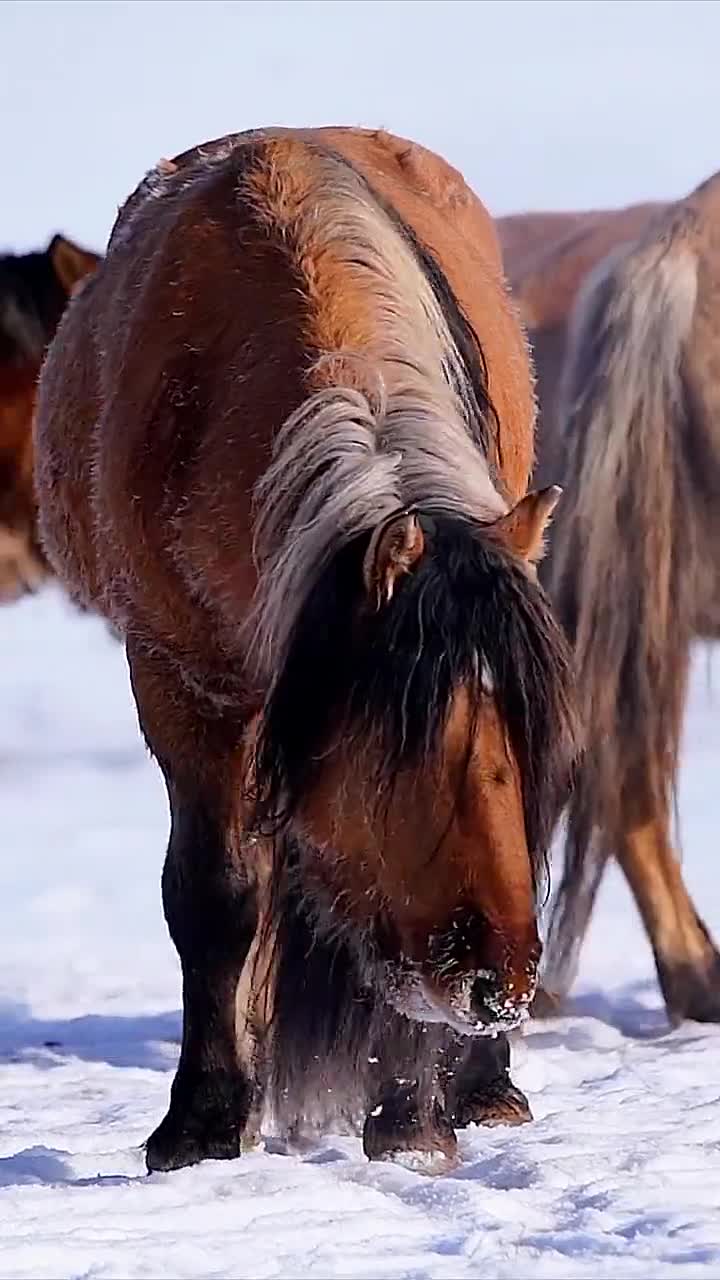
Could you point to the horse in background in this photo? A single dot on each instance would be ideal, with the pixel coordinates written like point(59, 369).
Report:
point(283, 443)
point(34, 291)
point(547, 258)
point(625, 324)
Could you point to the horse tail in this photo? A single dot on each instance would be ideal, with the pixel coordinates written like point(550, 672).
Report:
point(623, 558)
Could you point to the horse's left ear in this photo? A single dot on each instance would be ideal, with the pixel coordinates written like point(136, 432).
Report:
point(395, 547)
point(70, 263)
point(522, 530)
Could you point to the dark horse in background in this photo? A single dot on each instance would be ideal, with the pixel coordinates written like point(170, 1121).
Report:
point(283, 443)
point(34, 291)
point(623, 311)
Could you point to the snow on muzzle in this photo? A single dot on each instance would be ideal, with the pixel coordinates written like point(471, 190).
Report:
point(474, 994)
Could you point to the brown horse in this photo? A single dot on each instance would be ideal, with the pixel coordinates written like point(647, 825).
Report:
point(547, 258)
point(626, 349)
point(34, 289)
point(267, 450)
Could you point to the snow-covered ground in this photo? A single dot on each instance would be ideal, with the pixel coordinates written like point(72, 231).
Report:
point(618, 1176)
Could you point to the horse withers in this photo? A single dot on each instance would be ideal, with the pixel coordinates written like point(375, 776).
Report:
point(623, 315)
point(34, 290)
point(283, 444)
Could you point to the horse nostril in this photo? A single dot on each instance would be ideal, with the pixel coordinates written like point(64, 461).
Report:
point(484, 994)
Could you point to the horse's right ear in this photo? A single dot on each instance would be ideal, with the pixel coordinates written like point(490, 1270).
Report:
point(394, 549)
point(70, 263)
point(522, 530)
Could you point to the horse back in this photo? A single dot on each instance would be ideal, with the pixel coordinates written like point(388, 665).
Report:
point(547, 257)
point(452, 222)
point(455, 225)
point(173, 370)
point(158, 403)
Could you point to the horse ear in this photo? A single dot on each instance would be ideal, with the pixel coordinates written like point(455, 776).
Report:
point(70, 263)
point(522, 530)
point(394, 549)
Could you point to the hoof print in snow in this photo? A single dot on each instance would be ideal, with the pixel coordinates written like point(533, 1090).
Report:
point(432, 1161)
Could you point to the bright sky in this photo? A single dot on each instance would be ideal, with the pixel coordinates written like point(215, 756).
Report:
point(541, 103)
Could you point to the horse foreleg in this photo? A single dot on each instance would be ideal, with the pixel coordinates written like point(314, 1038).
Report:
point(406, 1120)
point(688, 963)
point(479, 1089)
point(211, 912)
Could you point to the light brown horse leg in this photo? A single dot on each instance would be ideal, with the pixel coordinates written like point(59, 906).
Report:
point(688, 963)
point(254, 1003)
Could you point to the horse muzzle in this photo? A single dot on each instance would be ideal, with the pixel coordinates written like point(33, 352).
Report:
point(482, 1002)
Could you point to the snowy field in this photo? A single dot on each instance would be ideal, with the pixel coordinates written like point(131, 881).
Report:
point(618, 1176)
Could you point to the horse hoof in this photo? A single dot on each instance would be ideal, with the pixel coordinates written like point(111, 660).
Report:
point(546, 1004)
point(209, 1117)
point(499, 1102)
point(174, 1146)
point(432, 1161)
point(692, 995)
point(422, 1141)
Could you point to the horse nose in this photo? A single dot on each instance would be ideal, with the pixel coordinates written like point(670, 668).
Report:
point(497, 1000)
point(483, 975)
point(485, 994)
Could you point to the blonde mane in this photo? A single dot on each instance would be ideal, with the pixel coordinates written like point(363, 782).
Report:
point(394, 421)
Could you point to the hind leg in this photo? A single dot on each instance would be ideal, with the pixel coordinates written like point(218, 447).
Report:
point(406, 1120)
point(688, 963)
point(479, 1088)
point(687, 960)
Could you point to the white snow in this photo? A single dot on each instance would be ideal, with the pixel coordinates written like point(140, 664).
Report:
point(618, 1176)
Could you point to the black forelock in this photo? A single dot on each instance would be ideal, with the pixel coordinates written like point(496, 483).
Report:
point(387, 680)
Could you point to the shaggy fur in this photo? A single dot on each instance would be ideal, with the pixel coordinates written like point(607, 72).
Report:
point(335, 1041)
point(387, 679)
point(348, 458)
point(623, 556)
point(268, 284)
